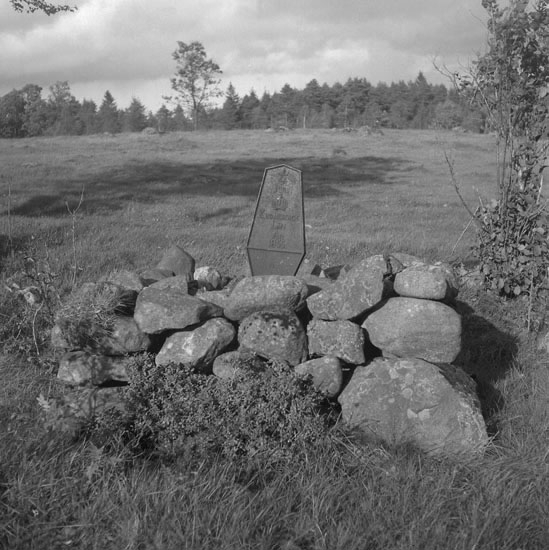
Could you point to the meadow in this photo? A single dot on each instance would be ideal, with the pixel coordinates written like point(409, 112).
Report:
point(74, 208)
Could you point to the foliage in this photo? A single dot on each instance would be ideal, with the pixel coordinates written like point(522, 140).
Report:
point(108, 115)
point(196, 78)
point(230, 112)
point(88, 314)
point(414, 104)
point(29, 299)
point(510, 82)
point(174, 410)
point(30, 6)
point(134, 118)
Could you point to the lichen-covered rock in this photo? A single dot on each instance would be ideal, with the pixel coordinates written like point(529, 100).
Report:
point(81, 368)
point(150, 276)
point(124, 337)
point(326, 374)
point(410, 327)
point(400, 261)
point(429, 282)
point(128, 280)
point(342, 339)
point(351, 296)
point(232, 363)
point(160, 310)
point(178, 261)
point(274, 335)
point(265, 292)
point(175, 282)
point(411, 401)
point(315, 284)
point(218, 297)
point(208, 277)
point(199, 347)
point(333, 272)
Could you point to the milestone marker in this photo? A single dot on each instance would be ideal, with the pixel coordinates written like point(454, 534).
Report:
point(276, 244)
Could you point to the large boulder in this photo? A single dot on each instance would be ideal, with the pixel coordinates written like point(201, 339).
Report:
point(178, 261)
point(326, 373)
point(265, 292)
point(430, 282)
point(218, 297)
point(315, 283)
point(153, 275)
point(123, 337)
point(342, 339)
point(128, 280)
point(168, 309)
point(411, 401)
point(274, 335)
point(410, 327)
point(81, 368)
point(351, 296)
point(174, 282)
point(198, 347)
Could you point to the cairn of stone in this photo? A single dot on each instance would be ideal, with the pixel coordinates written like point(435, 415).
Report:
point(380, 337)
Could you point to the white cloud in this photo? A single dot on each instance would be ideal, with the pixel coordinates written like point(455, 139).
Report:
point(126, 45)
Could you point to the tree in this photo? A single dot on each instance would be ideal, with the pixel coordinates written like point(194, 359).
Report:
point(135, 119)
point(12, 113)
point(163, 119)
point(247, 109)
point(230, 112)
point(196, 78)
point(87, 117)
point(63, 107)
point(179, 120)
point(108, 115)
point(35, 118)
point(30, 6)
point(510, 83)
point(448, 114)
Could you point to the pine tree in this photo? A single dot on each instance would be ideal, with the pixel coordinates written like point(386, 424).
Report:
point(230, 112)
point(108, 115)
point(134, 119)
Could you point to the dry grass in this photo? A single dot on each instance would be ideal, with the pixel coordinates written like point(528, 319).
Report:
point(386, 193)
point(142, 193)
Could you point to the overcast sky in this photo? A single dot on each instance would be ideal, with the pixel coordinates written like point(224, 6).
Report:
point(125, 46)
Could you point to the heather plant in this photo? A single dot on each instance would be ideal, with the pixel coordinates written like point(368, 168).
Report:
point(172, 410)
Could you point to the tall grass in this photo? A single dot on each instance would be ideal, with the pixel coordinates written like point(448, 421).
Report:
point(387, 193)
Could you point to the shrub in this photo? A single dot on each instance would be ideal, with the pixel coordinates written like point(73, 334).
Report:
point(87, 316)
point(510, 84)
point(29, 297)
point(174, 411)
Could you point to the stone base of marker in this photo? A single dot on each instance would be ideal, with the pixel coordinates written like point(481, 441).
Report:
point(324, 326)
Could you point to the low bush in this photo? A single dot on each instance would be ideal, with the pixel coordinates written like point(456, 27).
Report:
point(29, 297)
point(174, 411)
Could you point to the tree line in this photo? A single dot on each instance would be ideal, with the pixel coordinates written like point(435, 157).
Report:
point(416, 104)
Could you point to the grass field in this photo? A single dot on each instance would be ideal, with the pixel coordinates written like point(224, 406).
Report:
point(363, 195)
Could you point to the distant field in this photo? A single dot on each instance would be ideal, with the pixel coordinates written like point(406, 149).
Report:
point(363, 194)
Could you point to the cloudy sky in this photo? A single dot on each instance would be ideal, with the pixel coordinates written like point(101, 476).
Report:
point(125, 46)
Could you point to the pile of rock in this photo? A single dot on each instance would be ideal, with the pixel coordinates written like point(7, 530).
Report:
point(386, 326)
